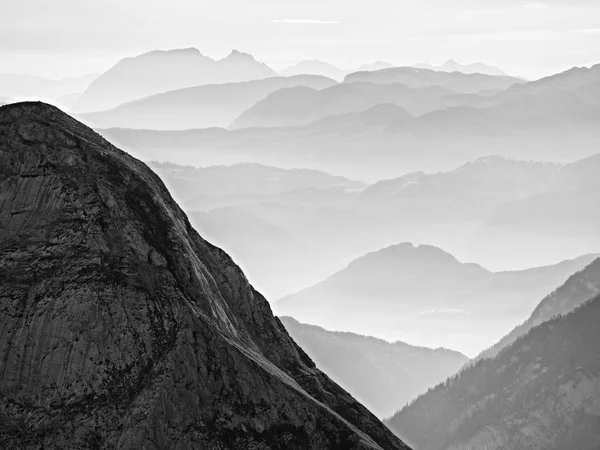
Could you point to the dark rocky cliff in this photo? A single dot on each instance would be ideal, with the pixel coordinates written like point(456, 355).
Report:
point(120, 327)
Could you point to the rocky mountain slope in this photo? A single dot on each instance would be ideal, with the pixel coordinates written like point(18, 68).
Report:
point(121, 327)
point(541, 393)
point(381, 375)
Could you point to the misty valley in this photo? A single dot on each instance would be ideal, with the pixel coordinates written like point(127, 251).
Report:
point(221, 253)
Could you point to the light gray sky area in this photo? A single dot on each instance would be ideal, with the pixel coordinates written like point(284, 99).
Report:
point(531, 38)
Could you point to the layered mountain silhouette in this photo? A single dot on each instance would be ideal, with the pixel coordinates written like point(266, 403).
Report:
point(161, 71)
point(122, 327)
point(540, 392)
point(453, 66)
point(207, 187)
point(471, 83)
point(214, 105)
point(544, 125)
point(303, 105)
point(317, 214)
point(314, 67)
point(424, 295)
point(380, 374)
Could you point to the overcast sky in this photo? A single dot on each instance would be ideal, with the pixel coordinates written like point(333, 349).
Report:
point(529, 38)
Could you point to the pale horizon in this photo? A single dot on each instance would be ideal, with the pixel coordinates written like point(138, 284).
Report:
point(531, 39)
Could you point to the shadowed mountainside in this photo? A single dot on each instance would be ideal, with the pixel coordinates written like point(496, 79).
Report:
point(542, 392)
point(122, 327)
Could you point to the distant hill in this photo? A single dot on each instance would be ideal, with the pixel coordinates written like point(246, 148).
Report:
point(161, 71)
point(417, 78)
point(302, 105)
point(213, 105)
point(542, 392)
point(380, 374)
point(377, 65)
point(453, 66)
point(424, 295)
point(313, 67)
point(30, 87)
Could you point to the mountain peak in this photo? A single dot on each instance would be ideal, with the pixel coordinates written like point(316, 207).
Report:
point(147, 335)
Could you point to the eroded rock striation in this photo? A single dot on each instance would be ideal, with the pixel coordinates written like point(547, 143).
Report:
point(120, 327)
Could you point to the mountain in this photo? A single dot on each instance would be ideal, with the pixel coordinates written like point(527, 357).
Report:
point(302, 105)
point(540, 393)
point(453, 66)
point(579, 288)
point(23, 86)
point(377, 65)
point(201, 188)
point(437, 141)
point(171, 70)
point(122, 327)
point(214, 105)
point(314, 68)
point(390, 294)
point(474, 190)
point(380, 374)
point(418, 78)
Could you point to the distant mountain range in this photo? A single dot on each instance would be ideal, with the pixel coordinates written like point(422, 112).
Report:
point(303, 105)
point(417, 78)
point(453, 66)
point(211, 105)
point(548, 119)
point(314, 68)
point(161, 71)
point(30, 87)
point(381, 375)
point(423, 295)
point(541, 392)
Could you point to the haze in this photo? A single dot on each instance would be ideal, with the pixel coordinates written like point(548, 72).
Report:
point(526, 38)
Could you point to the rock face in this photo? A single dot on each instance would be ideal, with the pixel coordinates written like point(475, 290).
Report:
point(120, 327)
point(542, 392)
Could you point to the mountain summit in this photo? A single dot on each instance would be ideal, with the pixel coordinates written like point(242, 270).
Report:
point(130, 78)
point(121, 327)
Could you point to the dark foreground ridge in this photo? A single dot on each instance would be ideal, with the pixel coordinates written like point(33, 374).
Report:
point(120, 327)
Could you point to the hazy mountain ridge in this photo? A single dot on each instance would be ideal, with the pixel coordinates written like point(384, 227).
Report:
point(453, 66)
point(314, 67)
point(147, 335)
point(128, 80)
point(389, 293)
point(380, 374)
point(416, 78)
point(514, 126)
point(199, 106)
point(301, 105)
point(541, 392)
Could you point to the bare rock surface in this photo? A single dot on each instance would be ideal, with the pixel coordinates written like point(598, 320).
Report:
point(120, 327)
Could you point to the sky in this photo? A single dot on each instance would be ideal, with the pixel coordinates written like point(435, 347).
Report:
point(530, 38)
